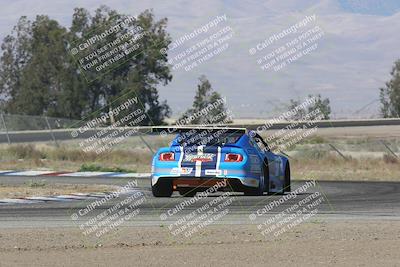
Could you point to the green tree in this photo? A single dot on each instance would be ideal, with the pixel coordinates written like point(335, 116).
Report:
point(36, 73)
point(16, 50)
point(39, 76)
point(140, 75)
point(43, 76)
point(299, 115)
point(208, 106)
point(319, 108)
point(323, 105)
point(390, 94)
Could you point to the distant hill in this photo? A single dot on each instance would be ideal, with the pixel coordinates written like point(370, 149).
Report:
point(352, 61)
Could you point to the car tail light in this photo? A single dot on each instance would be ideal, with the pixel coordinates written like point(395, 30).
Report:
point(230, 157)
point(168, 156)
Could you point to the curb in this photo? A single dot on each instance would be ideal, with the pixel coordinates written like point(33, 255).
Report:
point(75, 174)
point(59, 198)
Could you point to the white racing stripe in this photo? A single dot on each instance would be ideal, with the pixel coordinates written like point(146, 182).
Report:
point(198, 169)
point(218, 161)
point(180, 160)
point(198, 163)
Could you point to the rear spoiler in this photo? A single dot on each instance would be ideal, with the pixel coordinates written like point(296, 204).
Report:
point(178, 129)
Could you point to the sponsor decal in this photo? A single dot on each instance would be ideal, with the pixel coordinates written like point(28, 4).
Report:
point(213, 172)
point(181, 170)
point(254, 159)
point(255, 168)
point(255, 164)
point(206, 157)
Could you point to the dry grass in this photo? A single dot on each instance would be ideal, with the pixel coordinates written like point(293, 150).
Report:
point(70, 158)
point(367, 159)
point(332, 167)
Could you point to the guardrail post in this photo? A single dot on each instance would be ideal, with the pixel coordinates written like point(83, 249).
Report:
point(388, 148)
point(286, 155)
point(51, 130)
point(337, 150)
point(5, 126)
point(148, 146)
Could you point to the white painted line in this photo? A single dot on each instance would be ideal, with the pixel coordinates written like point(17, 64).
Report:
point(85, 174)
point(98, 195)
point(76, 174)
point(29, 173)
point(70, 197)
point(5, 171)
point(61, 198)
point(131, 174)
point(45, 198)
point(144, 174)
point(80, 194)
point(86, 196)
point(19, 201)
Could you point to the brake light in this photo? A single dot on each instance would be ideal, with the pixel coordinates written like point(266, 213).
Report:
point(230, 157)
point(168, 156)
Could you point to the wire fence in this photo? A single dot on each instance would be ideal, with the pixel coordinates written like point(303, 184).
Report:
point(23, 128)
point(31, 123)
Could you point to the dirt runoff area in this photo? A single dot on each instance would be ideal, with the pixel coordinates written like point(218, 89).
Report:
point(318, 243)
point(43, 189)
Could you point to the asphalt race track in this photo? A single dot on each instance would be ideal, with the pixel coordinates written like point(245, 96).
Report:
point(341, 200)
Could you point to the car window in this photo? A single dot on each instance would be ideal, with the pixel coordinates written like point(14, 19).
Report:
point(208, 138)
point(261, 143)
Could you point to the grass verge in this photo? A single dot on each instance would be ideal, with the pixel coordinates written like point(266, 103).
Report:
point(313, 158)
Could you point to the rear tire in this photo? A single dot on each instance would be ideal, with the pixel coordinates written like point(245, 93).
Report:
point(266, 176)
point(263, 185)
point(286, 187)
point(163, 188)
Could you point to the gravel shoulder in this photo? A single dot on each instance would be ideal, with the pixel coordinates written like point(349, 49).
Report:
point(344, 243)
point(43, 189)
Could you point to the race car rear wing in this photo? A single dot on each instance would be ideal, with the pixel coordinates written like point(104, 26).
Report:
point(178, 129)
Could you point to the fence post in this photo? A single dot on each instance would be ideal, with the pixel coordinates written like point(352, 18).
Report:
point(337, 150)
point(286, 155)
point(148, 146)
point(51, 130)
point(5, 126)
point(388, 148)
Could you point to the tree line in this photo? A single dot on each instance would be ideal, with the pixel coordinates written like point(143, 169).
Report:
point(40, 76)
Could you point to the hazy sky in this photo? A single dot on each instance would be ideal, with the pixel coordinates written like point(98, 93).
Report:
point(351, 61)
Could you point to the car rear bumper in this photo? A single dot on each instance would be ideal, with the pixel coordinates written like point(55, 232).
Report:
point(234, 183)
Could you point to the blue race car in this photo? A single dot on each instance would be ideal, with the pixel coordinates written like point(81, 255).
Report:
point(200, 158)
